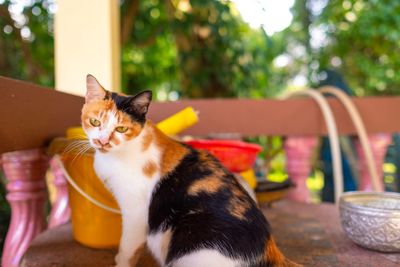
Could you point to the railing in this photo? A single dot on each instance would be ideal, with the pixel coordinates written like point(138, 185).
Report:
point(31, 116)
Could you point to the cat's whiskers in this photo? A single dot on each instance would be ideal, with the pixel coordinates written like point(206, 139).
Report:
point(78, 147)
point(71, 148)
point(75, 144)
point(82, 150)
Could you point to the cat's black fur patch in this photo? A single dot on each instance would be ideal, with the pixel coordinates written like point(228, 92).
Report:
point(123, 103)
point(203, 220)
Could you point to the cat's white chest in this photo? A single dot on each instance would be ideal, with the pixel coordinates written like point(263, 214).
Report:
point(124, 177)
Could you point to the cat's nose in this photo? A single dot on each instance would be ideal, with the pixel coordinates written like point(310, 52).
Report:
point(104, 140)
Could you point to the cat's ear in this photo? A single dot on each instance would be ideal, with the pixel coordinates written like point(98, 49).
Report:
point(94, 90)
point(140, 102)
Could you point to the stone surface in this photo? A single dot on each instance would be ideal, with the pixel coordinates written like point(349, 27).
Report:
point(306, 233)
point(312, 235)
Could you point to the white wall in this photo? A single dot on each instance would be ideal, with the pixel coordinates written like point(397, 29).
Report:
point(87, 41)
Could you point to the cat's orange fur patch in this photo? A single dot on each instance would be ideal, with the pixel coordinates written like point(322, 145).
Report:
point(204, 156)
point(209, 184)
point(237, 192)
point(147, 139)
point(95, 109)
point(172, 152)
point(134, 128)
point(149, 168)
point(273, 255)
point(238, 207)
point(113, 139)
point(165, 240)
point(209, 162)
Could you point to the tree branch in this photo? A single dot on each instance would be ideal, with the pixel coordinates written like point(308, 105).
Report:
point(128, 20)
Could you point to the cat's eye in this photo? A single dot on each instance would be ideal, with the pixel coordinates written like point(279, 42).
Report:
point(94, 122)
point(121, 129)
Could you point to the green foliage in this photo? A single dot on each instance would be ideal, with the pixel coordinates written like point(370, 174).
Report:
point(210, 51)
point(358, 38)
point(195, 48)
point(202, 48)
point(26, 41)
point(150, 67)
point(365, 37)
point(148, 53)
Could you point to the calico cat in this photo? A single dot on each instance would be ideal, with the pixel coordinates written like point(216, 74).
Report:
point(181, 202)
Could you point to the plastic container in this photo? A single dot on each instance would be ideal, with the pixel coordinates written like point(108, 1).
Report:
point(91, 225)
point(237, 156)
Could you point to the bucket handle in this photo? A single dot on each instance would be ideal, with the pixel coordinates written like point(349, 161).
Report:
point(361, 131)
point(332, 132)
point(80, 191)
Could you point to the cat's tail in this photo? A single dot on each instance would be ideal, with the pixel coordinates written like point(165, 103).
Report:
point(274, 257)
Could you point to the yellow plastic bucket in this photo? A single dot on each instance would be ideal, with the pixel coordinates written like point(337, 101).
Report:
point(91, 225)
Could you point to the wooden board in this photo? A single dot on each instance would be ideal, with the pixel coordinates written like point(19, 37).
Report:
point(299, 116)
point(30, 115)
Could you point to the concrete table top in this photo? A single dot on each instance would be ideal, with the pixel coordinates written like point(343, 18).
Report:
point(306, 233)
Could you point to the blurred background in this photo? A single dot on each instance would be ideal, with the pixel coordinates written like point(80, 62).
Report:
point(210, 48)
point(239, 48)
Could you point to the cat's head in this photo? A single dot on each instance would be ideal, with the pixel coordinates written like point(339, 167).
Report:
point(110, 119)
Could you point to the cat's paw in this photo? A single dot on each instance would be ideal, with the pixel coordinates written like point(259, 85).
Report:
point(122, 260)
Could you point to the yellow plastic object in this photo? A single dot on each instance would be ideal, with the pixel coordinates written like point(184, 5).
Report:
point(250, 178)
point(179, 121)
point(76, 133)
point(91, 225)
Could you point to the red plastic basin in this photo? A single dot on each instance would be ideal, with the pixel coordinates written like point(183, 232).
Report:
point(236, 156)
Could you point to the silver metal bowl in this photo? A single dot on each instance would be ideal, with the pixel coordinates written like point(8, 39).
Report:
point(372, 220)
